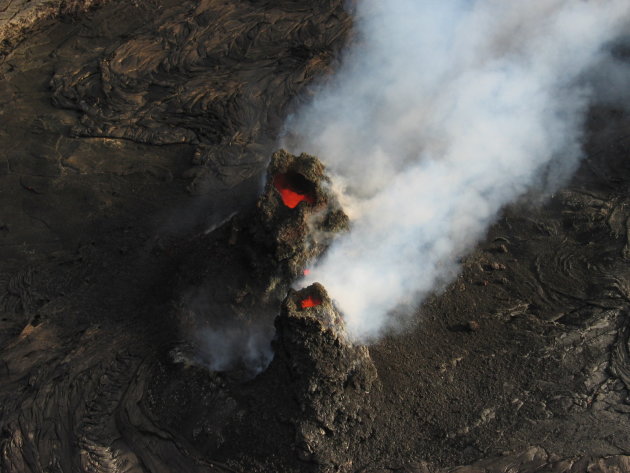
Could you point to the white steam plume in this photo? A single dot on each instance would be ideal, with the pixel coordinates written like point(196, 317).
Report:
point(443, 112)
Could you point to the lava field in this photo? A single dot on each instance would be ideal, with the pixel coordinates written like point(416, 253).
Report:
point(152, 232)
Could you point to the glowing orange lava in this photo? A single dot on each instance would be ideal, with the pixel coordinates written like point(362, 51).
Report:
point(307, 272)
point(290, 195)
point(310, 302)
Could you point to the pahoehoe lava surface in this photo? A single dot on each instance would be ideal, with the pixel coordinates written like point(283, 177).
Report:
point(133, 131)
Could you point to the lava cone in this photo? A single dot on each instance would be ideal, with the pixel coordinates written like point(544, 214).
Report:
point(297, 214)
point(329, 376)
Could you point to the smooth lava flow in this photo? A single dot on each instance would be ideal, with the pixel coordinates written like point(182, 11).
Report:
point(310, 302)
point(288, 186)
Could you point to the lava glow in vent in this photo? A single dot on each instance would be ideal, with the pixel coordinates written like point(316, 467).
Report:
point(310, 302)
point(293, 188)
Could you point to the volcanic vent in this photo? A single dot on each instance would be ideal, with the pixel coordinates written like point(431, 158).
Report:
point(330, 378)
point(315, 394)
point(297, 215)
point(233, 283)
point(293, 188)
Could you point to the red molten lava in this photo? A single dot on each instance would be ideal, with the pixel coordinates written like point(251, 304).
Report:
point(307, 272)
point(290, 187)
point(310, 302)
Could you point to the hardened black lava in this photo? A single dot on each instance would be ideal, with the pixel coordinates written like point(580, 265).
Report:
point(135, 141)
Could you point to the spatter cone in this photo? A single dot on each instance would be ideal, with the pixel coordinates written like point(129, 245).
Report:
point(331, 378)
point(297, 215)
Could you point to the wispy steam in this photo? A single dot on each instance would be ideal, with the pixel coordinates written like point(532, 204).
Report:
point(224, 349)
point(443, 112)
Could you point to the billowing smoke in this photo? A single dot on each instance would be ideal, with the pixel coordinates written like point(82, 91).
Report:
point(443, 112)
